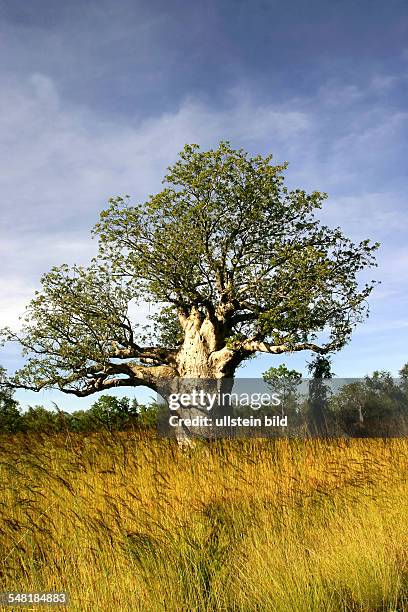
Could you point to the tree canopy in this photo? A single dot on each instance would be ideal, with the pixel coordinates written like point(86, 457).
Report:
point(235, 262)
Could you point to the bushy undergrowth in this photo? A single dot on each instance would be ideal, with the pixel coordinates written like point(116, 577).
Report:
point(125, 521)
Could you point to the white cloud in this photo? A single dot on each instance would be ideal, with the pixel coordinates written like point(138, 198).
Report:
point(15, 293)
point(384, 82)
point(338, 95)
point(380, 214)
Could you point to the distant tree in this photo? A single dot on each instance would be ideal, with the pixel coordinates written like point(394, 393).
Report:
point(83, 421)
point(374, 406)
point(39, 419)
point(114, 413)
point(148, 415)
point(10, 416)
point(286, 383)
point(387, 406)
point(404, 380)
point(348, 407)
point(319, 392)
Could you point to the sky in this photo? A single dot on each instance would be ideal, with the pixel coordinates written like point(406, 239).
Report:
point(98, 97)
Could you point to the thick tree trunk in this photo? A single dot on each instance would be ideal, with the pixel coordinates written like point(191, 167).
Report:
point(205, 366)
point(201, 354)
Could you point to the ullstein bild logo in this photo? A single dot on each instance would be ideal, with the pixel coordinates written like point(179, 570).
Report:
point(228, 421)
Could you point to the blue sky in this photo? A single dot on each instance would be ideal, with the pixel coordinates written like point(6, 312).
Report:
point(97, 98)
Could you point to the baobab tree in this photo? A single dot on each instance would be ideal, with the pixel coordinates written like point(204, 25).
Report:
point(236, 263)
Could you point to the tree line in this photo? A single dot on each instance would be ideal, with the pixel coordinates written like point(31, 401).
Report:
point(376, 405)
point(373, 406)
point(106, 413)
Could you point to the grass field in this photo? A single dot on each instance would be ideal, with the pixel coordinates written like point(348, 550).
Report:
point(128, 522)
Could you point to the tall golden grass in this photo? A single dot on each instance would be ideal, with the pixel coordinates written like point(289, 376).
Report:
point(128, 522)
